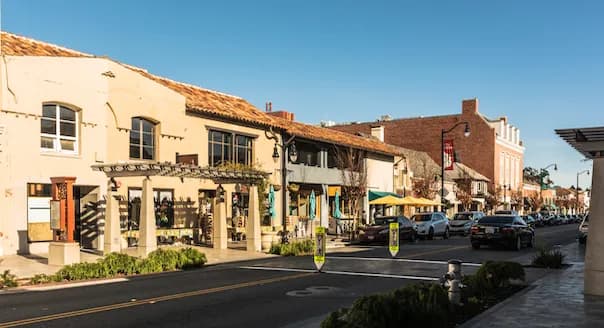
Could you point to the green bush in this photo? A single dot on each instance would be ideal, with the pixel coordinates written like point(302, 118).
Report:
point(295, 248)
point(7, 280)
point(191, 258)
point(548, 258)
point(425, 305)
point(167, 258)
point(42, 279)
point(117, 263)
point(81, 271)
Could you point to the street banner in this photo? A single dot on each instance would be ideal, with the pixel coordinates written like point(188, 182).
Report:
point(448, 155)
point(394, 239)
point(320, 247)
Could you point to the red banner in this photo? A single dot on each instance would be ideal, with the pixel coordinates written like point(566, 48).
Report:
point(448, 155)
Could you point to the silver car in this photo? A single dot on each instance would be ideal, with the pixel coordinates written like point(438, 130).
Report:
point(462, 222)
point(431, 224)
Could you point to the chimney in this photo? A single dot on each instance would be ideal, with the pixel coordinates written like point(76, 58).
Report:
point(378, 132)
point(283, 114)
point(469, 106)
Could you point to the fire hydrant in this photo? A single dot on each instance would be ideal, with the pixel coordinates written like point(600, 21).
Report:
point(452, 280)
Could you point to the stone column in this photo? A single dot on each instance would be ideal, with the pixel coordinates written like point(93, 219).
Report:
point(147, 240)
point(219, 221)
point(324, 220)
point(252, 229)
point(594, 261)
point(112, 238)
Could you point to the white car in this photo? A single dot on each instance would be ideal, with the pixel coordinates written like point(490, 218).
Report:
point(431, 224)
point(462, 222)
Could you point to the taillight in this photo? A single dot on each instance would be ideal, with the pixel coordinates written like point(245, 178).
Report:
point(475, 229)
point(507, 229)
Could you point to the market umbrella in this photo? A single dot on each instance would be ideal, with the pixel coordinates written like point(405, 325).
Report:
point(271, 202)
point(387, 200)
point(336, 208)
point(312, 206)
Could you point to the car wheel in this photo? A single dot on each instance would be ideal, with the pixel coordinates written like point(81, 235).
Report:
point(531, 242)
point(446, 235)
point(431, 234)
point(476, 245)
point(518, 244)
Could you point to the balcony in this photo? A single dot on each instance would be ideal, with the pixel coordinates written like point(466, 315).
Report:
point(301, 173)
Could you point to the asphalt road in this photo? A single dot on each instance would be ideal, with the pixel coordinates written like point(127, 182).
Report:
point(277, 292)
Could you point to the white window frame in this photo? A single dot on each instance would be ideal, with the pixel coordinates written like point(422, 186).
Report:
point(57, 135)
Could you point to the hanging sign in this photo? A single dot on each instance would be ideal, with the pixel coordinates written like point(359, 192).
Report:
point(394, 239)
point(448, 155)
point(320, 247)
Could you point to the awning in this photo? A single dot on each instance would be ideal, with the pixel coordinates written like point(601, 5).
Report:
point(373, 195)
point(387, 200)
point(588, 141)
point(428, 202)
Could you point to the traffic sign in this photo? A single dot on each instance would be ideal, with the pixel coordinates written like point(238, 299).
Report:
point(394, 239)
point(320, 247)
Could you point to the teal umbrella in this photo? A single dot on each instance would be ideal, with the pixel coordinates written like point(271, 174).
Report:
point(312, 206)
point(271, 202)
point(336, 208)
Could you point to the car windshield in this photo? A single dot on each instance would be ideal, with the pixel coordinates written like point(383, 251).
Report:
point(462, 216)
point(421, 217)
point(384, 221)
point(526, 218)
point(497, 219)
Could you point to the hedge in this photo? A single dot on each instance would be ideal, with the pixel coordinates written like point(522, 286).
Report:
point(294, 248)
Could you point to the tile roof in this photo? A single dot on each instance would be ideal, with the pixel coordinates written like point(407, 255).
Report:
point(203, 100)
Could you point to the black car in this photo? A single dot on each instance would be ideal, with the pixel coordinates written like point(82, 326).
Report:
point(379, 231)
point(507, 230)
point(539, 222)
point(530, 221)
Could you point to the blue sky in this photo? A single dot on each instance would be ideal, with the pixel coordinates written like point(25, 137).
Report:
point(537, 62)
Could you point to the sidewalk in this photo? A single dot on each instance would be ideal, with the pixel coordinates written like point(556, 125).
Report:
point(557, 300)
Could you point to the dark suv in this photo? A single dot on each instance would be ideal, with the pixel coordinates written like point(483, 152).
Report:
point(507, 230)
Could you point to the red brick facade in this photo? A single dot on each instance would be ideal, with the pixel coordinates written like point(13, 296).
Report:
point(480, 151)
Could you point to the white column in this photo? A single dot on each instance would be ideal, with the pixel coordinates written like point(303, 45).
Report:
point(219, 221)
point(594, 261)
point(252, 229)
point(147, 241)
point(112, 238)
point(324, 221)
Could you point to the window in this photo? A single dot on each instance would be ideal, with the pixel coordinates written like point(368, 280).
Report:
point(59, 129)
point(142, 139)
point(38, 212)
point(226, 147)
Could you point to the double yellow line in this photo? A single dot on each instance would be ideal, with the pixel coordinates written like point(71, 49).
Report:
point(153, 300)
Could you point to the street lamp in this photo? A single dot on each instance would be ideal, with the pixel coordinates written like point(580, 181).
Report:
point(466, 134)
point(288, 147)
point(555, 166)
point(577, 189)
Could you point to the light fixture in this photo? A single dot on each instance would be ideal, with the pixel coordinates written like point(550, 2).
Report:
point(466, 132)
point(555, 167)
point(275, 153)
point(293, 153)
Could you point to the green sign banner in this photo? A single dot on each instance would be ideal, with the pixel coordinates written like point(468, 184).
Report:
point(394, 239)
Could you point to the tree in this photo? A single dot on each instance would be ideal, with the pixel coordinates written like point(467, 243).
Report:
point(464, 190)
point(492, 199)
point(516, 197)
point(351, 163)
point(537, 201)
point(424, 180)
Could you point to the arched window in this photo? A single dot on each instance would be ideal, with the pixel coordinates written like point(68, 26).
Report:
point(59, 129)
point(142, 139)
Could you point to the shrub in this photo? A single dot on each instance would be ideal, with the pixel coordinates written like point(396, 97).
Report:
point(117, 263)
point(191, 258)
point(167, 258)
point(81, 271)
point(42, 279)
point(295, 248)
point(7, 280)
point(548, 258)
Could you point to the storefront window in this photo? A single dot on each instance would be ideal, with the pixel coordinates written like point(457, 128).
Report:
point(164, 208)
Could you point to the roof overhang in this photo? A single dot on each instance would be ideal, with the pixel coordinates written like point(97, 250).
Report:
point(167, 169)
point(587, 141)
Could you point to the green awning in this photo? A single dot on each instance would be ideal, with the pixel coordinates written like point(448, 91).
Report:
point(373, 195)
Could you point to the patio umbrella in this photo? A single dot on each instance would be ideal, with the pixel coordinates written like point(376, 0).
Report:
point(312, 206)
point(336, 208)
point(271, 202)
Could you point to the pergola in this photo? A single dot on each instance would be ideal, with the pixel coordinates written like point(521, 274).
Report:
point(147, 229)
point(590, 143)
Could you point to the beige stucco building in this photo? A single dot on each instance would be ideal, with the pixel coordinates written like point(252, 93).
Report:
point(62, 111)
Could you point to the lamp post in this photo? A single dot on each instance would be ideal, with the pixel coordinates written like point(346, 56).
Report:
point(287, 146)
point(466, 133)
point(555, 166)
point(577, 189)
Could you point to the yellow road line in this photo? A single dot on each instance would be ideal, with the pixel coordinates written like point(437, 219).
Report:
point(147, 301)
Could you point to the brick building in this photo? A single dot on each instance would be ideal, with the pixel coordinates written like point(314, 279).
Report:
point(494, 148)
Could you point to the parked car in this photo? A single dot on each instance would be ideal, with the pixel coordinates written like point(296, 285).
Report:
point(539, 222)
point(507, 230)
point(530, 221)
point(506, 212)
point(583, 227)
point(431, 224)
point(379, 231)
point(548, 220)
point(563, 219)
point(462, 222)
point(556, 220)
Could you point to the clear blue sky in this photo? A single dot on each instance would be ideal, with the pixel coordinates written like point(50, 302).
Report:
point(538, 62)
